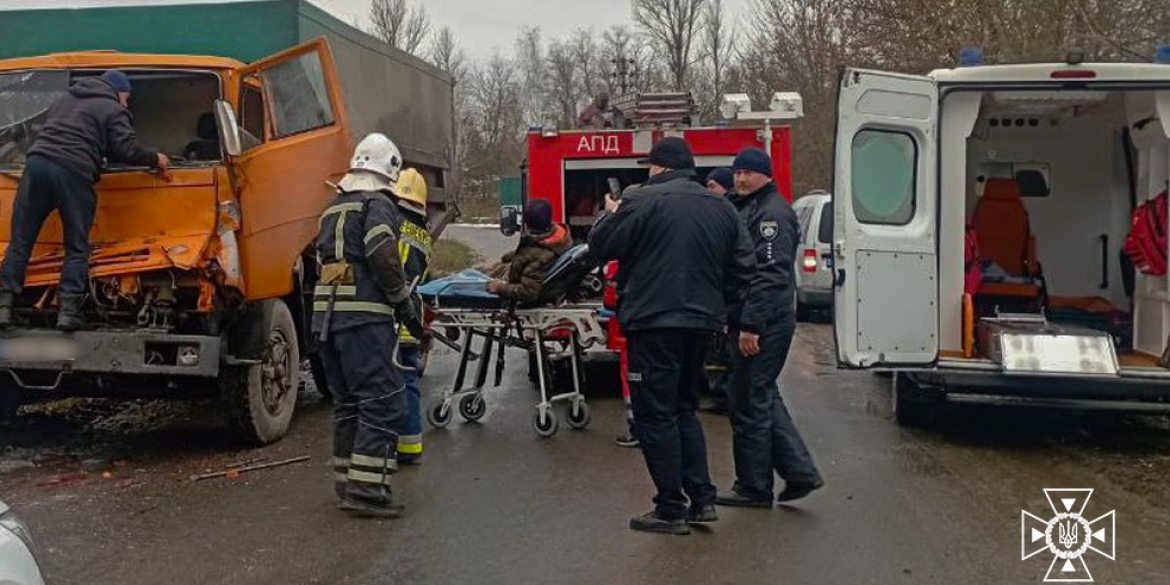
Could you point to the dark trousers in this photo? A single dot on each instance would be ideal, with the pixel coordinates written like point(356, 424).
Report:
point(666, 370)
point(765, 437)
point(718, 369)
point(45, 186)
point(369, 409)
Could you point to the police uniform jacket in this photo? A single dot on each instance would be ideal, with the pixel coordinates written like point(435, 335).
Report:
point(358, 249)
point(683, 254)
point(773, 228)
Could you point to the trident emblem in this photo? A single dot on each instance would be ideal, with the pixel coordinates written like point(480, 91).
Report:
point(1075, 535)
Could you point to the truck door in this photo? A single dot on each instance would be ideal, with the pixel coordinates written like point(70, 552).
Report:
point(293, 100)
point(885, 289)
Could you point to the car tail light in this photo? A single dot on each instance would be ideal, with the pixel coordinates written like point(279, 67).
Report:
point(1074, 74)
point(810, 260)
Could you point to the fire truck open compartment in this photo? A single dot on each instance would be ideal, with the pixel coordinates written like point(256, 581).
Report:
point(1065, 167)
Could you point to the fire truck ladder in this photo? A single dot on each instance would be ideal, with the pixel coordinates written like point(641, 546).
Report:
point(656, 109)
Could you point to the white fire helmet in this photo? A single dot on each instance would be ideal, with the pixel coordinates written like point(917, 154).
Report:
point(375, 165)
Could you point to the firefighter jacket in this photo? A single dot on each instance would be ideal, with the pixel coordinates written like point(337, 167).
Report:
point(414, 249)
point(357, 247)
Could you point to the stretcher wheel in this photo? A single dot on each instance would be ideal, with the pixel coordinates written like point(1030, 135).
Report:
point(439, 415)
point(472, 407)
point(548, 427)
point(579, 415)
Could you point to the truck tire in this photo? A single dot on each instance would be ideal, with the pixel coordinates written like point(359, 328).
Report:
point(260, 399)
point(911, 405)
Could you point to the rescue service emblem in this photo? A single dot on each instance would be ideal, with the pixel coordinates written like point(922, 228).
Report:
point(769, 229)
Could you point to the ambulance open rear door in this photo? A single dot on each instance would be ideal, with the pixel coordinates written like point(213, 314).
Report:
point(885, 291)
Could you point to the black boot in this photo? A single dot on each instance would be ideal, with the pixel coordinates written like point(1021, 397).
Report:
point(6, 301)
point(71, 317)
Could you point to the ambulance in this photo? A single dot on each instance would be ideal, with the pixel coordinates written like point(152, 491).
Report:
point(999, 233)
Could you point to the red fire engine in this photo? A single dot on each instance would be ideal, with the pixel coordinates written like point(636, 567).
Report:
point(573, 169)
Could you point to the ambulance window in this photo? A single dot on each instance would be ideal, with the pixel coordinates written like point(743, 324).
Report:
point(883, 169)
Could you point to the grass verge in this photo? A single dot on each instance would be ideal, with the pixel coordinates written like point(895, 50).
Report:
point(451, 256)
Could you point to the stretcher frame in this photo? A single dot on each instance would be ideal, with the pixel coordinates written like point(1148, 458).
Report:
point(535, 329)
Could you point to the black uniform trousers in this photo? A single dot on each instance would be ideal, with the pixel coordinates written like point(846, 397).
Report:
point(666, 372)
point(765, 437)
point(45, 186)
point(369, 406)
point(718, 368)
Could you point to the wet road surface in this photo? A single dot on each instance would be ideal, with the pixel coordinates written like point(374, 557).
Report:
point(493, 503)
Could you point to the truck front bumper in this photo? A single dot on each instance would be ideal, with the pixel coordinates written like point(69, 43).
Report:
point(29, 355)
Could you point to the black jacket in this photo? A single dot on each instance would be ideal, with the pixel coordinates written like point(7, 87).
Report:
point(87, 124)
point(683, 255)
point(774, 229)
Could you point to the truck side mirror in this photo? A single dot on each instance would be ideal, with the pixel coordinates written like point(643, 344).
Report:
point(509, 220)
point(229, 129)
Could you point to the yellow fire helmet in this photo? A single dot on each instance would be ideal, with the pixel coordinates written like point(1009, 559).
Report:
point(412, 191)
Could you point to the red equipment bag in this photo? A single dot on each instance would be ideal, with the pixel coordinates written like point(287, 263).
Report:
point(609, 301)
point(972, 269)
point(1147, 239)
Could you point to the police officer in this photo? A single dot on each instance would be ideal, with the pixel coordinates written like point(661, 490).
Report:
point(82, 127)
point(414, 245)
point(682, 252)
point(720, 181)
point(760, 333)
point(360, 300)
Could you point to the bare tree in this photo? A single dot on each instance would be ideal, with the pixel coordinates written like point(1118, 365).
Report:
point(717, 50)
point(590, 68)
point(399, 24)
point(530, 59)
point(446, 55)
point(563, 82)
point(672, 24)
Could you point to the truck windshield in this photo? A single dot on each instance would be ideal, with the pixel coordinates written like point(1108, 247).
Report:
point(171, 110)
point(25, 97)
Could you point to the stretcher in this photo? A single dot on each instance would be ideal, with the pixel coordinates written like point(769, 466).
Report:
point(552, 328)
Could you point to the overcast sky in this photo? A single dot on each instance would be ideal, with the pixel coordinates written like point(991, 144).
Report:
point(479, 25)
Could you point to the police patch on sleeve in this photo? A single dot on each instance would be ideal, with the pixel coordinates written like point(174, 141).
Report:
point(769, 230)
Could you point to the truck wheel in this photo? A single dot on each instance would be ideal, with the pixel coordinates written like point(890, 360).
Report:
point(260, 399)
point(319, 379)
point(911, 406)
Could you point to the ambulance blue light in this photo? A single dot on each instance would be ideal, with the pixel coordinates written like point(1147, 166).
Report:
point(1162, 54)
point(969, 56)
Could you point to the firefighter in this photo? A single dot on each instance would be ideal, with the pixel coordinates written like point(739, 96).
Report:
point(89, 123)
point(685, 253)
point(360, 300)
point(760, 333)
point(414, 246)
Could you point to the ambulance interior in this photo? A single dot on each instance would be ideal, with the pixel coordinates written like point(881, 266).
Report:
point(1051, 180)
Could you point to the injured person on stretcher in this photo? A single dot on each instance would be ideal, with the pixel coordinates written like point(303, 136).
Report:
point(519, 274)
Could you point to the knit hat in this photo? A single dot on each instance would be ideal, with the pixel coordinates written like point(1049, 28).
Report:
point(538, 216)
point(753, 159)
point(723, 176)
point(671, 152)
point(117, 80)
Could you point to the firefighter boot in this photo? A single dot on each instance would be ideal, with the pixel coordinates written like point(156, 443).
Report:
point(71, 316)
point(365, 500)
point(6, 301)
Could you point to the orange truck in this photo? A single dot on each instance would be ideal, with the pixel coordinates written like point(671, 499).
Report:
point(200, 278)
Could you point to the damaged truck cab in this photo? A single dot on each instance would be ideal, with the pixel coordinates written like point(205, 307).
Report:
point(199, 276)
point(980, 232)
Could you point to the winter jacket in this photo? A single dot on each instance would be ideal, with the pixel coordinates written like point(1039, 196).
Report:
point(89, 124)
point(528, 264)
point(773, 228)
point(683, 254)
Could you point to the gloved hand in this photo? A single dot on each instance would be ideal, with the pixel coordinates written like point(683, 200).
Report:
point(407, 315)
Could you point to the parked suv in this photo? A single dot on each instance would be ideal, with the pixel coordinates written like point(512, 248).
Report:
point(18, 566)
point(814, 253)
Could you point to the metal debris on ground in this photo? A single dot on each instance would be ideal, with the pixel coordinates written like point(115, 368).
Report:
point(236, 471)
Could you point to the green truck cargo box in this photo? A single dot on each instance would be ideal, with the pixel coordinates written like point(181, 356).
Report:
point(386, 90)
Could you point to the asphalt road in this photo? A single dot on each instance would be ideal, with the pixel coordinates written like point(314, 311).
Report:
point(493, 503)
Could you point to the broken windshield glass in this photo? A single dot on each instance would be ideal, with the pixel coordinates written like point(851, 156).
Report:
point(25, 97)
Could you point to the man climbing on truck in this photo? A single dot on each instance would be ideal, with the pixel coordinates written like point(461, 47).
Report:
point(86, 125)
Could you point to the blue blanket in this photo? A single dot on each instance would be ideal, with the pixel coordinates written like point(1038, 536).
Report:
point(463, 289)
